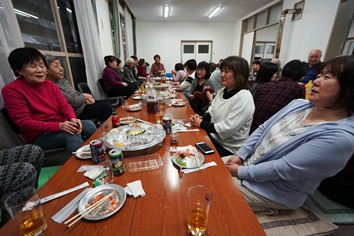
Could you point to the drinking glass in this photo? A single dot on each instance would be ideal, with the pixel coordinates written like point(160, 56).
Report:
point(25, 208)
point(199, 199)
point(158, 113)
point(107, 176)
point(174, 139)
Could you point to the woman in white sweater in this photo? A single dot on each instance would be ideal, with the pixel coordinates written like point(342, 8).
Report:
point(229, 117)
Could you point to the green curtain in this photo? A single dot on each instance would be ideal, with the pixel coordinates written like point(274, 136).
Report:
point(116, 28)
point(94, 10)
point(134, 33)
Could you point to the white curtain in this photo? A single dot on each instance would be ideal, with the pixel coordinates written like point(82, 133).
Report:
point(129, 33)
point(10, 38)
point(88, 31)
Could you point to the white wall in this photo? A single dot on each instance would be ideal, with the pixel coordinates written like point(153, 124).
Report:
point(104, 27)
point(310, 32)
point(237, 37)
point(164, 38)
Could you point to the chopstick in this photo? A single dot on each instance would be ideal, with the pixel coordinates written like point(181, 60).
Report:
point(88, 210)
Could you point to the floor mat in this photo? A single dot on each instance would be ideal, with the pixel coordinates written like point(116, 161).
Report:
point(46, 174)
point(329, 210)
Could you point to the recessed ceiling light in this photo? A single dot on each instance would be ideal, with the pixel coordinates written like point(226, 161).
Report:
point(166, 11)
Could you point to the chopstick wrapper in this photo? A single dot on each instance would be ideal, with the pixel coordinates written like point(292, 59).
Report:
point(135, 188)
point(206, 165)
point(66, 211)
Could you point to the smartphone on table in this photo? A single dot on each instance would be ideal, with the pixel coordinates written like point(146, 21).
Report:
point(204, 148)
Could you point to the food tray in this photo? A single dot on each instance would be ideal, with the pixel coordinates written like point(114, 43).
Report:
point(119, 196)
point(148, 162)
point(135, 137)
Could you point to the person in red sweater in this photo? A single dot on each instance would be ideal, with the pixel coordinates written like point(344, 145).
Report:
point(38, 107)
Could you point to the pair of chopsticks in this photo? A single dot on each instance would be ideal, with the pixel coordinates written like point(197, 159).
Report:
point(89, 209)
point(83, 153)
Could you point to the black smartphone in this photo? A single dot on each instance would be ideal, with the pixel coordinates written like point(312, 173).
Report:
point(204, 148)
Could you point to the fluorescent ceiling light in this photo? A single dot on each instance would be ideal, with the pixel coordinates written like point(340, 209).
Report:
point(214, 11)
point(166, 11)
point(22, 13)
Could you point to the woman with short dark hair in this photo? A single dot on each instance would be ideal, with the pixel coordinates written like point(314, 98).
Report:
point(38, 107)
point(113, 83)
point(229, 117)
point(157, 68)
point(288, 156)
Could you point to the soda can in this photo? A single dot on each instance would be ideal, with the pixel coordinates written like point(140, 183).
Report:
point(166, 122)
point(117, 162)
point(97, 150)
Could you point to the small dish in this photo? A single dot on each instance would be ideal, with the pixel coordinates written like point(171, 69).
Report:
point(178, 103)
point(137, 97)
point(133, 108)
point(110, 207)
point(127, 120)
point(188, 162)
point(84, 152)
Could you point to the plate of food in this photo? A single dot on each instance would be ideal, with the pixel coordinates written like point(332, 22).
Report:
point(135, 107)
point(134, 137)
point(178, 103)
point(137, 97)
point(127, 120)
point(188, 158)
point(115, 198)
point(84, 152)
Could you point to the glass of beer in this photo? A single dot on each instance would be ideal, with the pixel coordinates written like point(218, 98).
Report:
point(174, 139)
point(25, 208)
point(199, 199)
point(158, 113)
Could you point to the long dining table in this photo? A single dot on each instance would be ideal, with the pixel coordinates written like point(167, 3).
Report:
point(162, 211)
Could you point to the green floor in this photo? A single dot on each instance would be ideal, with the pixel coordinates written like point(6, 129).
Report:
point(46, 174)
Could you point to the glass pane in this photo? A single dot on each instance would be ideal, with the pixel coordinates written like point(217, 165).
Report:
point(69, 24)
point(274, 15)
point(36, 21)
point(203, 48)
point(250, 23)
point(78, 69)
point(261, 19)
point(188, 48)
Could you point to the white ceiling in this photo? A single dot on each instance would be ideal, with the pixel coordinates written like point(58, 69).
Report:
point(194, 10)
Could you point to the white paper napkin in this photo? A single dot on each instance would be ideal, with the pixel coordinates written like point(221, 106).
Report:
point(135, 188)
point(206, 165)
point(67, 210)
point(94, 173)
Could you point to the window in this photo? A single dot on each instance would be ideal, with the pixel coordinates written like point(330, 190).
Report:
point(203, 48)
point(188, 48)
point(59, 36)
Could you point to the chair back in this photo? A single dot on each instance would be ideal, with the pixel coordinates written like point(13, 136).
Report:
point(100, 83)
point(84, 88)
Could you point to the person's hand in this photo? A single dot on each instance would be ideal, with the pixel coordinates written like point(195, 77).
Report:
point(124, 84)
point(177, 86)
point(235, 159)
point(233, 168)
point(122, 70)
point(207, 88)
point(195, 120)
point(209, 96)
point(174, 72)
point(89, 98)
point(191, 96)
point(73, 126)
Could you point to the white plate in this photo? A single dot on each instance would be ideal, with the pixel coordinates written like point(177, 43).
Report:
point(178, 104)
point(137, 98)
point(85, 148)
point(133, 108)
point(119, 196)
point(191, 162)
point(127, 120)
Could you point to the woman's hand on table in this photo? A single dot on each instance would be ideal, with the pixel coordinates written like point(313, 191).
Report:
point(195, 120)
point(73, 126)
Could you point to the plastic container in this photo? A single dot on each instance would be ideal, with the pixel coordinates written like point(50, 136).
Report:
point(308, 87)
point(142, 163)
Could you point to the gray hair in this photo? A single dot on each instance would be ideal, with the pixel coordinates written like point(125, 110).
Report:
point(50, 58)
point(129, 61)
